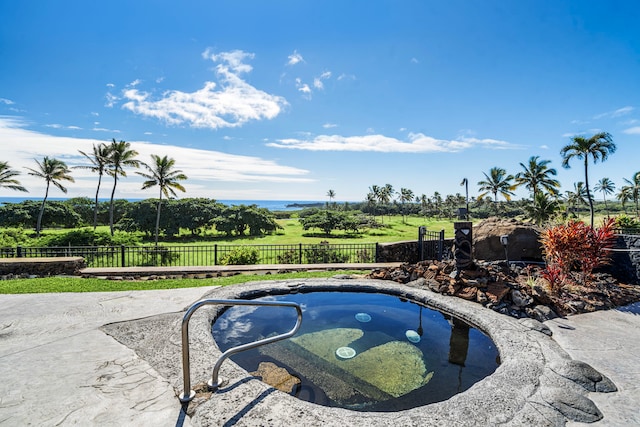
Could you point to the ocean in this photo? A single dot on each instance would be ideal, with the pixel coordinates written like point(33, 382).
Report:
point(272, 205)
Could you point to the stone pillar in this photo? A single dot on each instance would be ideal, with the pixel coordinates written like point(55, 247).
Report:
point(462, 240)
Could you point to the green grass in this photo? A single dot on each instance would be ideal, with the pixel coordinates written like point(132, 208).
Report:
point(76, 284)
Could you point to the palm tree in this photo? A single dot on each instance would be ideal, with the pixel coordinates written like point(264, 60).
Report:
point(331, 195)
point(53, 171)
point(497, 182)
point(599, 146)
point(99, 159)
point(536, 176)
point(162, 174)
point(120, 156)
point(7, 178)
point(631, 191)
point(406, 195)
point(543, 209)
point(576, 197)
point(606, 186)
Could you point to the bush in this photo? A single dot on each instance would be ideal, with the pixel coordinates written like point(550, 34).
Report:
point(627, 224)
point(575, 246)
point(12, 237)
point(88, 237)
point(288, 257)
point(241, 256)
point(324, 253)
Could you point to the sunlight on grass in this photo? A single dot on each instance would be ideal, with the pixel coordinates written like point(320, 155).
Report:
point(76, 284)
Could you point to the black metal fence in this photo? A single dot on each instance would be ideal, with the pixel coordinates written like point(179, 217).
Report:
point(181, 256)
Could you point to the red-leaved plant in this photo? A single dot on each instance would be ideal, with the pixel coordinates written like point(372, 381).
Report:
point(575, 246)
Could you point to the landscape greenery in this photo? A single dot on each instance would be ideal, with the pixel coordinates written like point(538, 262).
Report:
point(385, 215)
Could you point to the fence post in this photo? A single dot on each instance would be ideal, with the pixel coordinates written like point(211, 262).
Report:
point(441, 245)
point(19, 251)
point(122, 262)
point(215, 254)
point(377, 252)
point(299, 253)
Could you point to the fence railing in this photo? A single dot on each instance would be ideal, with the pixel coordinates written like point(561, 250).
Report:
point(182, 256)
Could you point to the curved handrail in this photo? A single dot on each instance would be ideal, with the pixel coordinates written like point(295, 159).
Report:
point(214, 383)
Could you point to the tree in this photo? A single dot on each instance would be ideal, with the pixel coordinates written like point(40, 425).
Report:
point(7, 178)
point(543, 209)
point(52, 171)
point(497, 182)
point(406, 195)
point(162, 174)
point(599, 146)
point(331, 195)
point(631, 191)
point(99, 159)
point(606, 186)
point(576, 197)
point(536, 175)
point(120, 156)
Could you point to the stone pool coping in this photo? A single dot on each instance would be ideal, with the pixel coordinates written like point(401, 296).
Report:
point(538, 383)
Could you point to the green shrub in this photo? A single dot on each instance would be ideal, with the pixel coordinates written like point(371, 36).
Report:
point(324, 253)
point(241, 256)
point(88, 237)
point(288, 257)
point(11, 237)
point(627, 223)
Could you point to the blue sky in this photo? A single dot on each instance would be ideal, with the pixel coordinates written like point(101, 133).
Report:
point(285, 100)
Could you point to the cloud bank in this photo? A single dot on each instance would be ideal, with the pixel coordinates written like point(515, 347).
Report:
point(416, 143)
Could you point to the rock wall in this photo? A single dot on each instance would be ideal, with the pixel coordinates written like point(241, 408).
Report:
point(41, 266)
point(625, 264)
point(408, 251)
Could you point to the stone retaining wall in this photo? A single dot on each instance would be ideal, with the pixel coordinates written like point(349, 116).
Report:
point(407, 251)
point(626, 259)
point(51, 266)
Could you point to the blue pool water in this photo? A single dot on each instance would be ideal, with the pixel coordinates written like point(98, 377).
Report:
point(362, 351)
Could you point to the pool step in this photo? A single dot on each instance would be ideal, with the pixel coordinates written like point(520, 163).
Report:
point(338, 384)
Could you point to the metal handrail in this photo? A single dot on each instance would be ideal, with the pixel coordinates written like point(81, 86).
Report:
point(214, 383)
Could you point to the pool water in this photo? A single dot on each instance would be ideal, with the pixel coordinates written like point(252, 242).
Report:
point(362, 351)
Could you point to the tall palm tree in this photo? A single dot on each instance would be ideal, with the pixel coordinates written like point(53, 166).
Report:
point(406, 195)
point(631, 191)
point(7, 178)
point(536, 175)
point(599, 146)
point(162, 174)
point(331, 195)
point(120, 156)
point(606, 186)
point(497, 182)
point(576, 197)
point(99, 159)
point(52, 171)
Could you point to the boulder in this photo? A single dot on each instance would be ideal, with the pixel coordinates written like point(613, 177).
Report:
point(523, 240)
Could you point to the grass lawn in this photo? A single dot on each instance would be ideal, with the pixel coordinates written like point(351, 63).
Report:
point(76, 284)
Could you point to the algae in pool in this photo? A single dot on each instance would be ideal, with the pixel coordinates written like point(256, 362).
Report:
point(402, 354)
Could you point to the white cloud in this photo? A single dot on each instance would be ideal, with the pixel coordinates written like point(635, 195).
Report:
point(632, 131)
point(97, 129)
point(134, 83)
point(616, 113)
point(232, 104)
point(203, 167)
point(304, 88)
point(295, 58)
point(6, 101)
point(111, 100)
point(329, 125)
point(110, 85)
point(346, 77)
point(414, 61)
point(59, 126)
point(417, 143)
point(317, 81)
point(544, 147)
